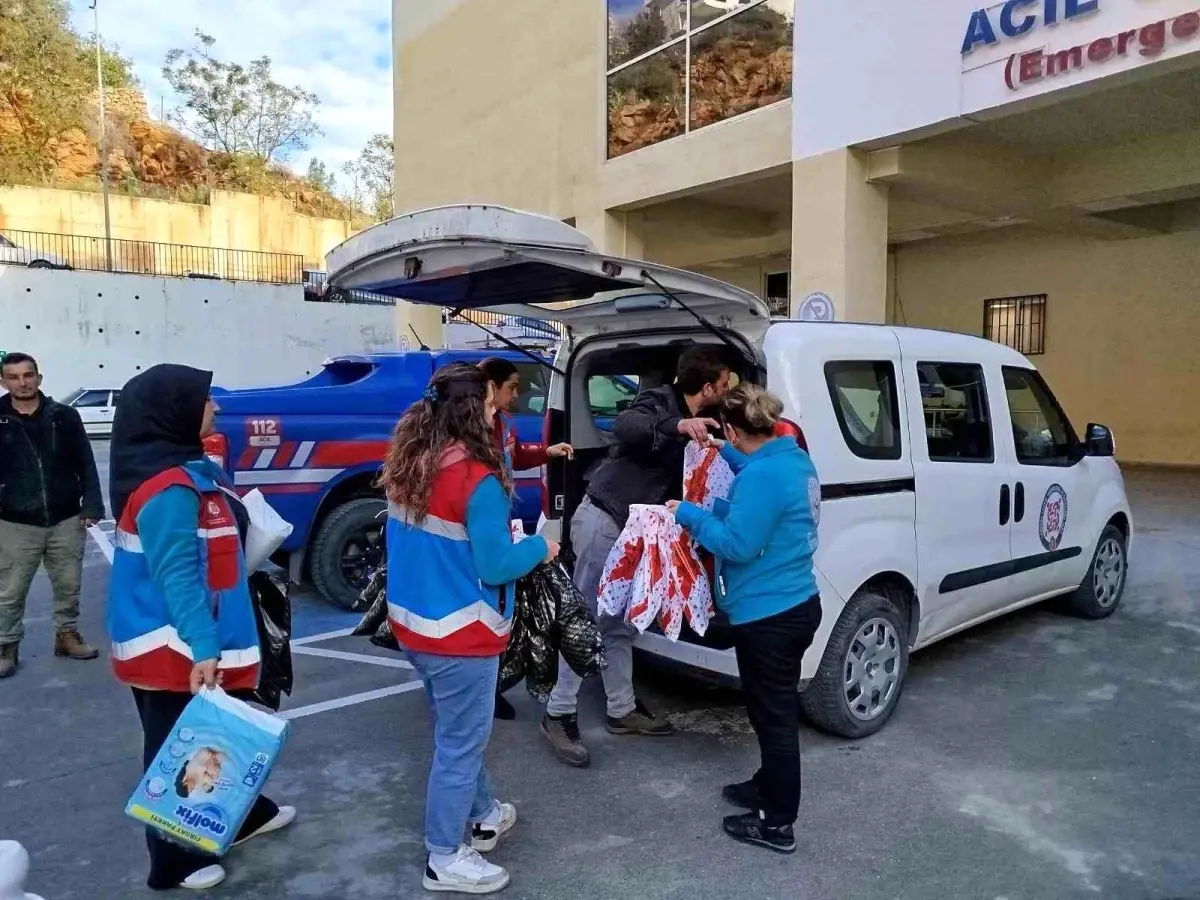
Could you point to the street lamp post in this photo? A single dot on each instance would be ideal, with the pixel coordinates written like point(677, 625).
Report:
point(108, 260)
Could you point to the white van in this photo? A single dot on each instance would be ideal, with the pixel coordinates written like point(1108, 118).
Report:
point(955, 489)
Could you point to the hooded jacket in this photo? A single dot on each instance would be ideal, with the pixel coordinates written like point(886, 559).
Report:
point(47, 470)
point(178, 592)
point(458, 563)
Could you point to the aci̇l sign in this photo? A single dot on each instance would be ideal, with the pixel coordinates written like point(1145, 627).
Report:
point(1018, 17)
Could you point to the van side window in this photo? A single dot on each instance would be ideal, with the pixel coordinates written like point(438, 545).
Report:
point(611, 395)
point(958, 425)
point(532, 399)
point(1042, 433)
point(866, 405)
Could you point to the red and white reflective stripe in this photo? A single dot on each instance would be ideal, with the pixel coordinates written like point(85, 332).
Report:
point(264, 459)
point(303, 452)
point(210, 533)
point(168, 637)
point(436, 629)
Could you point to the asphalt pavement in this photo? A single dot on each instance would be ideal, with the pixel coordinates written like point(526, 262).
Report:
point(1034, 758)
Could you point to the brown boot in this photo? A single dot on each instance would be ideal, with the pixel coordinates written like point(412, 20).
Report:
point(69, 643)
point(8, 660)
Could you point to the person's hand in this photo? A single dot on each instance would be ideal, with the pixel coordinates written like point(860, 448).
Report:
point(87, 522)
point(559, 450)
point(204, 674)
point(697, 429)
point(552, 549)
point(715, 443)
point(672, 506)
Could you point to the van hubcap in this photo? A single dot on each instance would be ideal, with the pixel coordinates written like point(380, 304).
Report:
point(1108, 574)
point(872, 669)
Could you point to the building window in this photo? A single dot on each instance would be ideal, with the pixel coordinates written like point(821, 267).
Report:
point(777, 293)
point(1017, 322)
point(678, 65)
point(866, 405)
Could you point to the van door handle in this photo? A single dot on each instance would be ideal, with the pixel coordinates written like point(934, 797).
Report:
point(1019, 503)
point(1004, 504)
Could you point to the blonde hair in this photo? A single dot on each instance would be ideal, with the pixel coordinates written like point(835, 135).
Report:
point(752, 409)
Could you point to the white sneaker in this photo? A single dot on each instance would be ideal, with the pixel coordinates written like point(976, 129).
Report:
point(282, 819)
point(466, 873)
point(204, 879)
point(486, 835)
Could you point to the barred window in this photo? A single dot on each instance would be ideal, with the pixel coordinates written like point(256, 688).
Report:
point(1017, 322)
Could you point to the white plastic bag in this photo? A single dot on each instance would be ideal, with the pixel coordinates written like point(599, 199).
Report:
point(268, 530)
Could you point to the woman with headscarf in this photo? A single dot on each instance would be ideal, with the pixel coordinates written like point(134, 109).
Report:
point(180, 614)
point(449, 495)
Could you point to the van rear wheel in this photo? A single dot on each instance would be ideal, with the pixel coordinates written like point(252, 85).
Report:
point(861, 675)
point(347, 549)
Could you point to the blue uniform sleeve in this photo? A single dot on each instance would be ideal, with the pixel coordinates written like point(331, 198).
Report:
point(497, 559)
point(754, 510)
point(167, 526)
point(736, 458)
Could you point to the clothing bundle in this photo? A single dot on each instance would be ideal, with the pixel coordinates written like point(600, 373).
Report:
point(655, 571)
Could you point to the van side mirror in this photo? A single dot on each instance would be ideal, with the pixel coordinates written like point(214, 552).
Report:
point(1100, 441)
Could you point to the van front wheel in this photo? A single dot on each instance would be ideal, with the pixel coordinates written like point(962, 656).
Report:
point(861, 675)
point(1097, 597)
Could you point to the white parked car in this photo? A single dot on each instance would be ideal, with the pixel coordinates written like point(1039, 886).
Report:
point(97, 408)
point(13, 254)
point(954, 487)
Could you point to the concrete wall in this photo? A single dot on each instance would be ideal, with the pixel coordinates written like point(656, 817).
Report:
point(1122, 323)
point(93, 329)
point(230, 220)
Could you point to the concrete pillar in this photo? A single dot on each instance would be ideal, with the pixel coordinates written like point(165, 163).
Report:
point(425, 320)
point(615, 232)
point(839, 239)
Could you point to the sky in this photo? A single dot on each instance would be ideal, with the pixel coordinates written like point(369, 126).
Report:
point(340, 51)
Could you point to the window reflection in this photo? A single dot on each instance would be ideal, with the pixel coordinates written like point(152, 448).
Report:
point(646, 102)
point(704, 11)
point(639, 26)
point(741, 64)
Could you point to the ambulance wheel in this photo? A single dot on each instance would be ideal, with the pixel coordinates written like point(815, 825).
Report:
point(347, 549)
point(861, 675)
point(1097, 597)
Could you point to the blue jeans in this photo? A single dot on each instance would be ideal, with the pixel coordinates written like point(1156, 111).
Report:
point(462, 697)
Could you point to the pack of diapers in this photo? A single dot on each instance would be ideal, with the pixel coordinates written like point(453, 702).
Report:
point(209, 772)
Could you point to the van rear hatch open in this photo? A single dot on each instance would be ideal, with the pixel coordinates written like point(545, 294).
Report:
point(524, 264)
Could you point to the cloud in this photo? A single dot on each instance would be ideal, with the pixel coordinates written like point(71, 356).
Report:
point(342, 52)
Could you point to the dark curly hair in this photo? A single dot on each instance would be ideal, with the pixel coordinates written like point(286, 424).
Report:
point(451, 412)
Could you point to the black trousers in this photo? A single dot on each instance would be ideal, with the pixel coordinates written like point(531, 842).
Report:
point(171, 863)
point(769, 652)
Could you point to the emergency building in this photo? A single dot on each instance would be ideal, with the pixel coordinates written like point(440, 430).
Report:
point(1027, 171)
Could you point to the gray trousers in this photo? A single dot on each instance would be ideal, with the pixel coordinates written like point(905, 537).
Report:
point(23, 548)
point(593, 534)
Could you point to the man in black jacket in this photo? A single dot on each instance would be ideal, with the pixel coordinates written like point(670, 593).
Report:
point(49, 495)
point(645, 465)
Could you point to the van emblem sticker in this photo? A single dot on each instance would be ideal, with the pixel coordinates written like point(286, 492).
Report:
point(1052, 522)
point(817, 307)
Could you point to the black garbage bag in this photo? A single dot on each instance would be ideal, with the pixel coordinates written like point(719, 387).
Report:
point(579, 641)
point(273, 615)
point(375, 620)
point(538, 646)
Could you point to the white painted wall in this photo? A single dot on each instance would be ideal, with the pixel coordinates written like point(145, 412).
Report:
point(876, 69)
point(96, 330)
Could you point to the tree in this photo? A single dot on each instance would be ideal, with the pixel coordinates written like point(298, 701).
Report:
point(318, 177)
point(239, 109)
point(377, 168)
point(47, 84)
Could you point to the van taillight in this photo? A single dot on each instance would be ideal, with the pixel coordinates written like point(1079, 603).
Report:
point(216, 448)
point(787, 428)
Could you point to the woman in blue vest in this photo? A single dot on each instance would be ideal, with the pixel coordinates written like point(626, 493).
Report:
point(763, 539)
point(179, 608)
point(449, 496)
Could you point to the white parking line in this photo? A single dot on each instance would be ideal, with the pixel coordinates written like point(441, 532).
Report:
point(317, 638)
point(102, 541)
point(352, 657)
point(353, 700)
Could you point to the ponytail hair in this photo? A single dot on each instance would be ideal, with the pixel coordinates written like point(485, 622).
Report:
point(751, 409)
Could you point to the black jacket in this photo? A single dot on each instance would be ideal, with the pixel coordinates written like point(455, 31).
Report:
point(47, 470)
point(645, 465)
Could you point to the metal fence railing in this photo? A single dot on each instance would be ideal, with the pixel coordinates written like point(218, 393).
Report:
point(44, 250)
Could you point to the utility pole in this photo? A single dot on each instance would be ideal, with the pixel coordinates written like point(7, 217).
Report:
point(108, 257)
